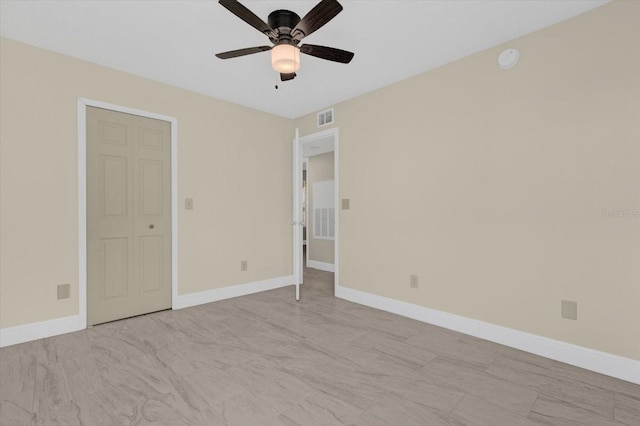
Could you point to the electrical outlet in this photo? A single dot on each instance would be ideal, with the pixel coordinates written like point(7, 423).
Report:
point(569, 309)
point(243, 266)
point(413, 281)
point(64, 291)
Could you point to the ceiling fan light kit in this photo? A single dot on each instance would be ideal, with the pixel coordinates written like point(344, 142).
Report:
point(285, 30)
point(285, 58)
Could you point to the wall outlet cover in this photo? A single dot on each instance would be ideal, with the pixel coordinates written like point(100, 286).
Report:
point(413, 281)
point(569, 309)
point(64, 291)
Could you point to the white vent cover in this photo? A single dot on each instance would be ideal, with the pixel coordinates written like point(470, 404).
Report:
point(325, 117)
point(324, 212)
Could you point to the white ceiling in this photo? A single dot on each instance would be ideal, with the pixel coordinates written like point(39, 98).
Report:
point(175, 41)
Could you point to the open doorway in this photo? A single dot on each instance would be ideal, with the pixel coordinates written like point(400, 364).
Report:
point(319, 207)
point(316, 180)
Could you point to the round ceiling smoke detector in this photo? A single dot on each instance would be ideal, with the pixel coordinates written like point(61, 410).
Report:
point(508, 58)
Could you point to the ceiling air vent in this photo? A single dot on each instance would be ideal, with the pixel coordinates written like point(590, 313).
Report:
point(325, 117)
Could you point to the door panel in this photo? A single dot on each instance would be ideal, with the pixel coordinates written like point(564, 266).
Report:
point(114, 181)
point(128, 215)
point(113, 133)
point(151, 263)
point(115, 264)
point(151, 187)
point(151, 139)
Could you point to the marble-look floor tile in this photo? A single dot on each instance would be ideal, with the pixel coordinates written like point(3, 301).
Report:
point(554, 412)
point(329, 331)
point(18, 365)
point(439, 397)
point(144, 383)
point(386, 324)
point(160, 329)
point(344, 352)
point(135, 404)
point(582, 395)
point(507, 352)
point(12, 414)
point(74, 345)
point(117, 342)
point(320, 408)
point(627, 410)
point(247, 409)
point(272, 384)
point(224, 352)
point(51, 390)
point(393, 410)
point(81, 375)
point(522, 372)
point(512, 397)
point(332, 377)
point(473, 411)
point(83, 410)
point(398, 351)
point(455, 349)
point(205, 380)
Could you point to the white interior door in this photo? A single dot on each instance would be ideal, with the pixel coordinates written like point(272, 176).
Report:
point(296, 222)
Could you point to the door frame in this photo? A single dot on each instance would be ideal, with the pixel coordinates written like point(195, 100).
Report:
point(83, 103)
point(300, 141)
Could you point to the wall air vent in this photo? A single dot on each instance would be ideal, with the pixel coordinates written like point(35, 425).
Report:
point(325, 117)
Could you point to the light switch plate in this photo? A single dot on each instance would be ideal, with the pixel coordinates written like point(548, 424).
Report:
point(188, 203)
point(345, 204)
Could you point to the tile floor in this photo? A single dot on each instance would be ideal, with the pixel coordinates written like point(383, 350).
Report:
point(266, 360)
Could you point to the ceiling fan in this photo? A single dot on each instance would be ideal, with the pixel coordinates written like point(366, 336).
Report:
point(285, 30)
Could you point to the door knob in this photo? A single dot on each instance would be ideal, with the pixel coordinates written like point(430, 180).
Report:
point(151, 226)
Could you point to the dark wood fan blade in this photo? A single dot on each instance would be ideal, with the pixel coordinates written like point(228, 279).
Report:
point(247, 16)
point(287, 77)
point(242, 52)
point(328, 53)
point(324, 11)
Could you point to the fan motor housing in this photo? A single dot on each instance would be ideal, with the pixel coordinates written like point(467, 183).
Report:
point(282, 19)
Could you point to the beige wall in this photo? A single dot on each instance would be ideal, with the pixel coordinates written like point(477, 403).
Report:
point(491, 185)
point(225, 165)
point(320, 169)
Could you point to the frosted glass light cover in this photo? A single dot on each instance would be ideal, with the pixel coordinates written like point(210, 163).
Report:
point(285, 58)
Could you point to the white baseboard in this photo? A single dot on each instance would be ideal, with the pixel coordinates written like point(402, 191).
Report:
point(590, 359)
point(39, 330)
point(329, 267)
point(208, 296)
